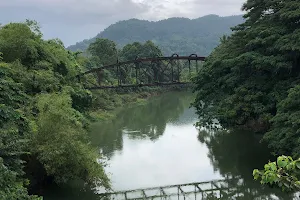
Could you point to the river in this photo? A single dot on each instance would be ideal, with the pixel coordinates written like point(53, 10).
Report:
point(156, 143)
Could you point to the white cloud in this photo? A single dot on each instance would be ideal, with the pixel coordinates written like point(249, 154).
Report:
point(190, 8)
point(74, 20)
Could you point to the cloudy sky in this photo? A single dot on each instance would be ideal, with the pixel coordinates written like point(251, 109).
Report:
point(75, 20)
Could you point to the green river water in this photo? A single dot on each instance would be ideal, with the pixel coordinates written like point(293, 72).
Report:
point(156, 144)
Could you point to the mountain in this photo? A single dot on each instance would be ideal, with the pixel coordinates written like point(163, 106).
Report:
point(174, 35)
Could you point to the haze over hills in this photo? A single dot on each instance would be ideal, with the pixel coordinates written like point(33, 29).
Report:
point(174, 35)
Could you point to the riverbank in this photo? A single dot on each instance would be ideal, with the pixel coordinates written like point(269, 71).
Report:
point(157, 144)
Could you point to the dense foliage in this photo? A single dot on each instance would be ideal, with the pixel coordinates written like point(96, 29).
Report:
point(73, 158)
point(103, 52)
point(14, 129)
point(45, 111)
point(286, 125)
point(175, 35)
point(252, 78)
point(42, 132)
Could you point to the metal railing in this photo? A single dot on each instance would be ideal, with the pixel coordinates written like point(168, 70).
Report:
point(216, 189)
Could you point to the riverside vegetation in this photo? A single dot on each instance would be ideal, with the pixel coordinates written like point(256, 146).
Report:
point(252, 80)
point(45, 113)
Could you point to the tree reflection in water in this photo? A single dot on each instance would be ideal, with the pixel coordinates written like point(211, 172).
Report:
point(143, 121)
point(235, 154)
point(232, 154)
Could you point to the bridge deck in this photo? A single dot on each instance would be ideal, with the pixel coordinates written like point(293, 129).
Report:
point(145, 60)
point(199, 190)
point(139, 85)
point(150, 72)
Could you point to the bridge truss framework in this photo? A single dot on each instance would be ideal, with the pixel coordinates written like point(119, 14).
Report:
point(218, 189)
point(156, 71)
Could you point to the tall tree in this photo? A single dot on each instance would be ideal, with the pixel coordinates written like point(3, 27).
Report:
point(104, 51)
point(139, 50)
point(246, 77)
point(18, 42)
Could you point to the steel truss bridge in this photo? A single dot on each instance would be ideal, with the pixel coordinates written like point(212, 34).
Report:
point(155, 71)
point(218, 189)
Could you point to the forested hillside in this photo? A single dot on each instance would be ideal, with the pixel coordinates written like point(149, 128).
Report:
point(175, 35)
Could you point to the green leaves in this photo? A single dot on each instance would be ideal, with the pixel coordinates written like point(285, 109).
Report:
point(18, 42)
point(251, 79)
point(282, 173)
point(283, 161)
point(136, 49)
point(43, 129)
point(297, 164)
point(11, 186)
point(105, 50)
point(14, 135)
point(256, 174)
point(286, 125)
point(61, 142)
point(272, 166)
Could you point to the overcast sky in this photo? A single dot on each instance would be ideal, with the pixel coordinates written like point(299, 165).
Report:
point(75, 20)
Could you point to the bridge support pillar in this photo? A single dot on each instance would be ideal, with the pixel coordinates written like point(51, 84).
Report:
point(100, 75)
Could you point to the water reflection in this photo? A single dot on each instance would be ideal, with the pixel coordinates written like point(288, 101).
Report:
point(156, 144)
point(237, 153)
point(143, 121)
